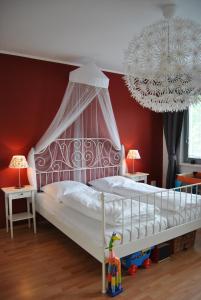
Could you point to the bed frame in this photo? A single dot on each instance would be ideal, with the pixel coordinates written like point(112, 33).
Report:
point(100, 160)
point(80, 159)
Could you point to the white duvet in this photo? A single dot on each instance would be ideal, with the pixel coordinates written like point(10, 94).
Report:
point(176, 201)
point(89, 203)
point(162, 198)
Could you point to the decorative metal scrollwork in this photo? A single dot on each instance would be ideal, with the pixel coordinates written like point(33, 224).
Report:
point(77, 154)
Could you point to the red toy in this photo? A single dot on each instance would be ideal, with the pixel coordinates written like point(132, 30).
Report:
point(147, 263)
point(132, 270)
point(137, 259)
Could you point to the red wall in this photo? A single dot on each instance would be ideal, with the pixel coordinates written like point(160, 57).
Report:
point(30, 94)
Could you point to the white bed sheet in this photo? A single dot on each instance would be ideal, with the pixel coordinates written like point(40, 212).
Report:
point(91, 228)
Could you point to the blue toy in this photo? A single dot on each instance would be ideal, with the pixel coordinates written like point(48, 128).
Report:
point(137, 259)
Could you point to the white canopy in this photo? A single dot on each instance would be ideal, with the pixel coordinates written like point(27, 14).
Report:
point(89, 74)
point(85, 106)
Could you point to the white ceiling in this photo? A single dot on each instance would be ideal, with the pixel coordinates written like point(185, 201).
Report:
point(77, 31)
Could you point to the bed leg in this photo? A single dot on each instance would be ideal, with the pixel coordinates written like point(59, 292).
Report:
point(103, 279)
point(103, 241)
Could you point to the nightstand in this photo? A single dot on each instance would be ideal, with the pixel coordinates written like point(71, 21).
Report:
point(138, 176)
point(11, 194)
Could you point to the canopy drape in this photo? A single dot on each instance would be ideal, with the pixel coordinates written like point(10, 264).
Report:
point(77, 110)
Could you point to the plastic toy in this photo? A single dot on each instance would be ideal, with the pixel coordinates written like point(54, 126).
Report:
point(137, 259)
point(114, 269)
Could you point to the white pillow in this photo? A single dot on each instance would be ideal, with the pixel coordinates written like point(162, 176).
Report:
point(106, 184)
point(61, 188)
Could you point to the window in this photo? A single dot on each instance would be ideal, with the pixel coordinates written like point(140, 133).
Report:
point(192, 134)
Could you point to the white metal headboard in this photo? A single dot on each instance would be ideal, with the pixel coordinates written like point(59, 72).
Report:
point(81, 159)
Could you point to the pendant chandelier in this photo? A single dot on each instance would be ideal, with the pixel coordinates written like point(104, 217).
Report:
point(163, 64)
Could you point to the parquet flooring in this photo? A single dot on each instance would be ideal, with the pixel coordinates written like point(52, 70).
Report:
point(49, 266)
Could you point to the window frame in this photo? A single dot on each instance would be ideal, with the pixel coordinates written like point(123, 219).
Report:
point(186, 158)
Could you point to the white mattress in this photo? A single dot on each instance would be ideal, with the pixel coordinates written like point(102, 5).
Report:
point(91, 228)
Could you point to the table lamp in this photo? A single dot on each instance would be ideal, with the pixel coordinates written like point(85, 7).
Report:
point(18, 162)
point(133, 154)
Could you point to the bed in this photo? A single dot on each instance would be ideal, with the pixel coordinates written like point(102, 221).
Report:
point(88, 223)
point(82, 144)
point(141, 223)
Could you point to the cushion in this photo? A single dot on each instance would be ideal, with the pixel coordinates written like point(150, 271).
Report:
point(61, 188)
point(107, 183)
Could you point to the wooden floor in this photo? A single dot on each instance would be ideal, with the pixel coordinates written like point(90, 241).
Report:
point(50, 266)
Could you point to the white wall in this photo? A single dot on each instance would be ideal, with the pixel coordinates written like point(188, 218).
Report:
point(189, 168)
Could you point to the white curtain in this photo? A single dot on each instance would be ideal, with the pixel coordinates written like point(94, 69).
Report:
point(82, 104)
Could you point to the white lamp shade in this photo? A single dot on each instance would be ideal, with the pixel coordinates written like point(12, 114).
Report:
point(133, 154)
point(18, 162)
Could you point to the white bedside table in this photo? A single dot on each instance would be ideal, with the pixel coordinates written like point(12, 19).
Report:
point(138, 176)
point(11, 194)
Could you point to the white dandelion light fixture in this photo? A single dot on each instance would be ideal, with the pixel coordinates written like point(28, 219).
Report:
point(163, 64)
